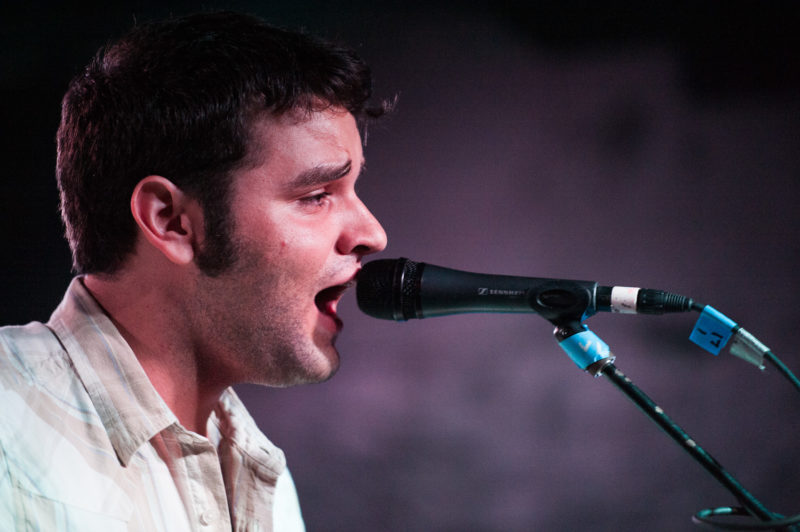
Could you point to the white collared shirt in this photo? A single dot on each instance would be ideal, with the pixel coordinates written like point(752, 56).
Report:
point(86, 442)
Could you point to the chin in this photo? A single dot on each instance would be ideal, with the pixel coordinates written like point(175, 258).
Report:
point(297, 377)
point(318, 365)
point(294, 364)
point(327, 367)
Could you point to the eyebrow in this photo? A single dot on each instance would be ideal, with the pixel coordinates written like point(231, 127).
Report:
point(320, 175)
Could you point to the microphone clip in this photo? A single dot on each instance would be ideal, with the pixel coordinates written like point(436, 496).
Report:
point(564, 302)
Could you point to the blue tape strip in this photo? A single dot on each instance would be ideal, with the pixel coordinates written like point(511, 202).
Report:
point(585, 348)
point(712, 330)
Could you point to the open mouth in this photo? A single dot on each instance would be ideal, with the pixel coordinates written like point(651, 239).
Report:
point(327, 299)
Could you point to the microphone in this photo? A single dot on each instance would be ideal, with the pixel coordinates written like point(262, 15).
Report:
point(401, 289)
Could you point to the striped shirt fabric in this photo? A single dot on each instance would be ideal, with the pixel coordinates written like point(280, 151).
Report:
point(87, 444)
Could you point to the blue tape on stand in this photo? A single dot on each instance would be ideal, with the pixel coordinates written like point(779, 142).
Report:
point(712, 330)
point(585, 348)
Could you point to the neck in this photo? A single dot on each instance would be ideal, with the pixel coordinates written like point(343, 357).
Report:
point(150, 318)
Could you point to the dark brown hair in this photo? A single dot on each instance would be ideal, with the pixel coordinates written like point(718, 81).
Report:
point(177, 98)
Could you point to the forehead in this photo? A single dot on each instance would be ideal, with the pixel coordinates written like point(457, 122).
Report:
point(305, 138)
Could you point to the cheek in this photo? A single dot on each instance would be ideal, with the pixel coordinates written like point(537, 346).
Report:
point(290, 247)
point(292, 243)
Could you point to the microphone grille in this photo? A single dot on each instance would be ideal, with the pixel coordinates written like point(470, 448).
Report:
point(374, 289)
point(389, 288)
point(409, 289)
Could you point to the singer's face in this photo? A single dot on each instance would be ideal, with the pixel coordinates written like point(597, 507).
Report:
point(300, 231)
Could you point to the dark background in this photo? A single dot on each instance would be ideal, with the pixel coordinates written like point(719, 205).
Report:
point(643, 144)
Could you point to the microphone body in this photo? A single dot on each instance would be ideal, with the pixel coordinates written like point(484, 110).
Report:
point(401, 289)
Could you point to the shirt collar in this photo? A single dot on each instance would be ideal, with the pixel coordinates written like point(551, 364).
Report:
point(129, 407)
point(230, 424)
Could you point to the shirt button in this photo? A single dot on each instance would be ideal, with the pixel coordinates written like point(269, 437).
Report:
point(206, 517)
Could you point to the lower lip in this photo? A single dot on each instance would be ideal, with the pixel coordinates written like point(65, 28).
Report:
point(332, 323)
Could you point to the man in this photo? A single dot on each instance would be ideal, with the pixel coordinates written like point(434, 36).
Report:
point(206, 167)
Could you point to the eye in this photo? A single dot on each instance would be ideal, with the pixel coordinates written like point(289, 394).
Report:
point(314, 200)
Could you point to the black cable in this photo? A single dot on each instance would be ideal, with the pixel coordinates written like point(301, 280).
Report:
point(705, 517)
point(785, 371)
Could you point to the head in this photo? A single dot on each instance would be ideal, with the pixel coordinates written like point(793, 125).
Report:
point(179, 98)
point(257, 126)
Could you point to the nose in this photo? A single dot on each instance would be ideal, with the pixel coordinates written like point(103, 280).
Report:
point(362, 234)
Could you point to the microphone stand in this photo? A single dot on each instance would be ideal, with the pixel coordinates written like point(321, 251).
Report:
point(655, 413)
point(566, 307)
point(606, 367)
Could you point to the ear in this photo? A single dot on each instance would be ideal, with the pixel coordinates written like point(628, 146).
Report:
point(171, 221)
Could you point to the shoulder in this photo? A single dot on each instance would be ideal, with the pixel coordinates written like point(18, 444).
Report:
point(34, 369)
point(40, 393)
point(38, 382)
point(52, 444)
point(43, 403)
point(29, 350)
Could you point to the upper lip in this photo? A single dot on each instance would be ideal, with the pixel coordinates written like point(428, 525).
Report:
point(349, 282)
point(334, 292)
